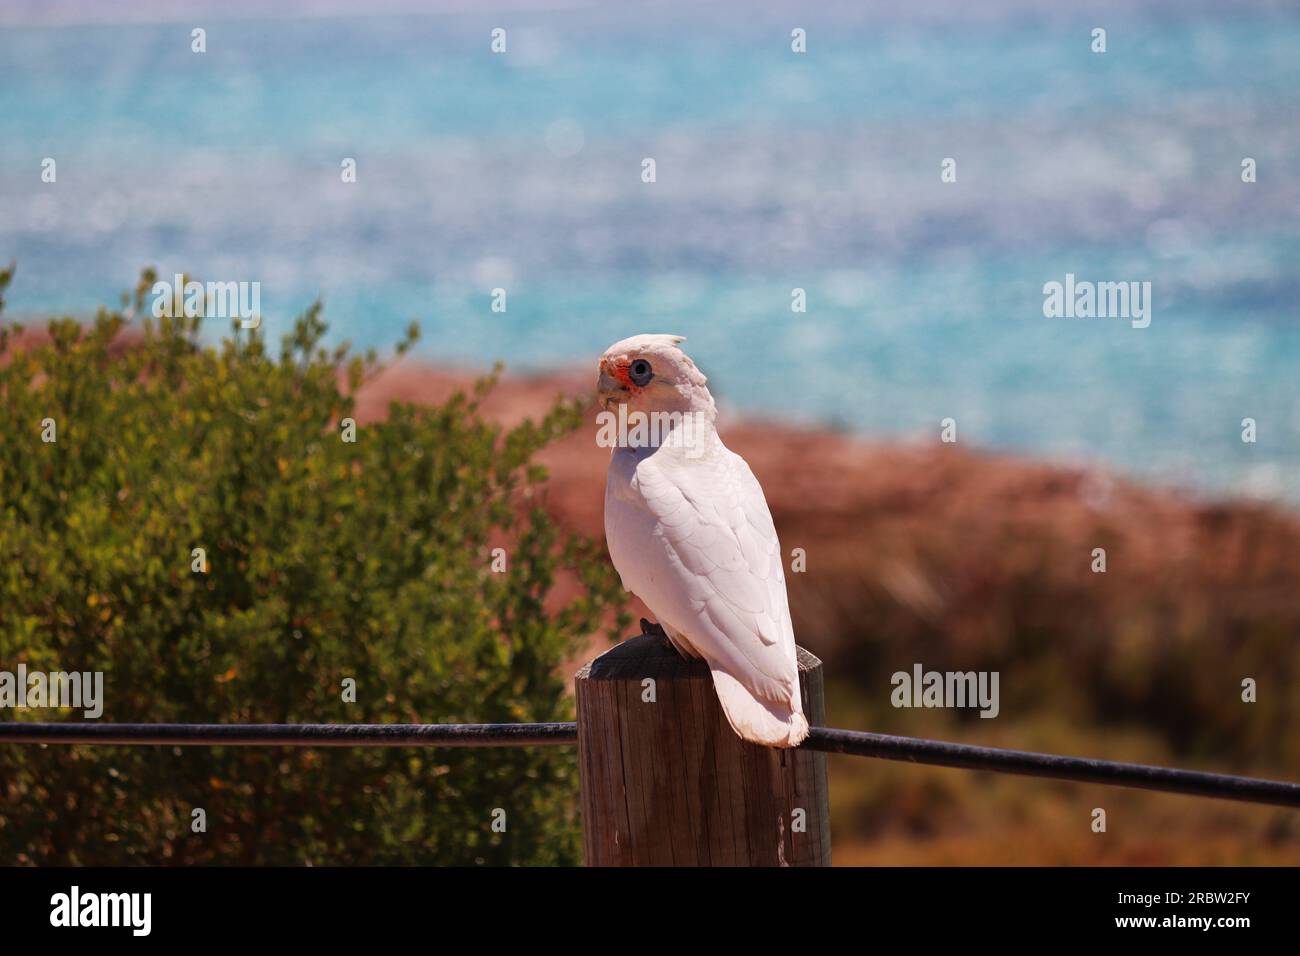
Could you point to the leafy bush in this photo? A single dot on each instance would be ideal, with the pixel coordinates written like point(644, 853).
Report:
point(326, 560)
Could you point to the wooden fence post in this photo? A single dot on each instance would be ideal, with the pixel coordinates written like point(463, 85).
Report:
point(666, 781)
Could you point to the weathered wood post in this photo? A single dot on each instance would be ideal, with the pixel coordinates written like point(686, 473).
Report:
point(666, 781)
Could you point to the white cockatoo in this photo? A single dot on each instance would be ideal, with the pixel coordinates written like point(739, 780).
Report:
point(691, 535)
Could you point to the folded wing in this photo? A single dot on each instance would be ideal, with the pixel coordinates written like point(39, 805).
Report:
point(693, 538)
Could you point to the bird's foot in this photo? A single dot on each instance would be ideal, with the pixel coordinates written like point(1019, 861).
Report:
point(654, 629)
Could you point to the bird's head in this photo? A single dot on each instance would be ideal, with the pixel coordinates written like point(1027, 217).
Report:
point(649, 373)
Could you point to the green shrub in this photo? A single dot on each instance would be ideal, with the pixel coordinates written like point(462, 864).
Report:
point(326, 560)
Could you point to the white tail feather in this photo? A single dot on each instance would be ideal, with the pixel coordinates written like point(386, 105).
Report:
point(771, 723)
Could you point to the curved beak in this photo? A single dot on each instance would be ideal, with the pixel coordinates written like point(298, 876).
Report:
point(609, 390)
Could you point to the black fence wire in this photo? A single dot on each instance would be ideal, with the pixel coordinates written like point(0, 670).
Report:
point(855, 742)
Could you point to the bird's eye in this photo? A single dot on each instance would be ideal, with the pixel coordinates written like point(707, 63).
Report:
point(640, 372)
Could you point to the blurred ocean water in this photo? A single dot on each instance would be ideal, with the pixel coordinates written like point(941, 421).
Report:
point(775, 171)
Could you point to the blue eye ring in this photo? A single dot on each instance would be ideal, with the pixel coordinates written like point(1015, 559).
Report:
point(640, 372)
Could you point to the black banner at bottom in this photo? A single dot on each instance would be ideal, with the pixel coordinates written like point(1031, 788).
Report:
point(335, 904)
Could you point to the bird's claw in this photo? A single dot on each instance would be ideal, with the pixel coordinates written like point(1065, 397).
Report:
point(654, 629)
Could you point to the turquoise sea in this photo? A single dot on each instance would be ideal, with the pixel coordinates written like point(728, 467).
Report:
point(775, 171)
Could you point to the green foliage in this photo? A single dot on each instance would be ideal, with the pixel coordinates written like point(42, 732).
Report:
point(326, 560)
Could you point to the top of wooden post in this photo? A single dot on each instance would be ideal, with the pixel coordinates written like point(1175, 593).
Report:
point(649, 654)
point(667, 782)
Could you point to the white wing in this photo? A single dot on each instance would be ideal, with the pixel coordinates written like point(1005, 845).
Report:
point(693, 538)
